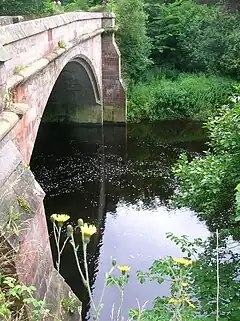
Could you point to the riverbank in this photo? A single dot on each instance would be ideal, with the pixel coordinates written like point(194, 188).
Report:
point(166, 94)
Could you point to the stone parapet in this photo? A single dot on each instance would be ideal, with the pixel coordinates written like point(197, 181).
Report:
point(8, 20)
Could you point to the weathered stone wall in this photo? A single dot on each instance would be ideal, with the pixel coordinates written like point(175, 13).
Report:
point(31, 60)
point(28, 241)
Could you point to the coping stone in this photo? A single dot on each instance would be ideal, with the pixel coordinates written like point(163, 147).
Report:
point(10, 157)
point(8, 120)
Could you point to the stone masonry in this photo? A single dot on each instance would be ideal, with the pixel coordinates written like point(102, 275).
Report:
point(32, 57)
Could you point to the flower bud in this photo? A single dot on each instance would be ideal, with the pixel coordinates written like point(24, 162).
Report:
point(69, 230)
point(114, 262)
point(80, 222)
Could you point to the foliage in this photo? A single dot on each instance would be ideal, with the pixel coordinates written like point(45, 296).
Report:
point(175, 96)
point(16, 298)
point(76, 5)
point(194, 37)
point(207, 184)
point(205, 282)
point(18, 7)
point(131, 35)
point(238, 202)
point(199, 280)
point(181, 305)
point(61, 44)
point(70, 305)
point(13, 220)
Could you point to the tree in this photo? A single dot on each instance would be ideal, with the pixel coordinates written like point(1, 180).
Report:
point(131, 35)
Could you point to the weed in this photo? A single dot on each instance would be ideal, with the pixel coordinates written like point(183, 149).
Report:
point(61, 44)
point(24, 204)
point(18, 69)
point(69, 304)
point(13, 218)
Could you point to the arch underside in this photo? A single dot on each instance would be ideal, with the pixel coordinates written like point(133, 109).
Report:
point(75, 96)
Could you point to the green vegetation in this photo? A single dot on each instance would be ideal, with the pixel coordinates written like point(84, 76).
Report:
point(178, 37)
point(16, 299)
point(207, 184)
point(131, 36)
point(194, 37)
point(203, 284)
point(19, 7)
point(181, 95)
point(61, 44)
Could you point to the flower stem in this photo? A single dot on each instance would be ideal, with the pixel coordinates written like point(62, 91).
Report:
point(121, 304)
point(58, 248)
point(218, 277)
point(103, 290)
point(87, 280)
point(64, 244)
point(57, 240)
point(77, 260)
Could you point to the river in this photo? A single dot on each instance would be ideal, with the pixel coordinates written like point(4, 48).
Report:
point(118, 178)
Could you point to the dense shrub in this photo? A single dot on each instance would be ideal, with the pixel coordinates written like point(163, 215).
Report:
point(177, 96)
point(194, 37)
point(76, 5)
point(17, 7)
point(131, 36)
point(207, 184)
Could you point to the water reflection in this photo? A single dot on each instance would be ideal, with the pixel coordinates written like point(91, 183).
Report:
point(121, 181)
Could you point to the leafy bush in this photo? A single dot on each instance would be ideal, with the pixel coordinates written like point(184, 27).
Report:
point(194, 37)
point(76, 5)
point(131, 35)
point(177, 96)
point(17, 7)
point(207, 184)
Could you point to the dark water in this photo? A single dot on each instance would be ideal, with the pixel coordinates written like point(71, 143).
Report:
point(119, 179)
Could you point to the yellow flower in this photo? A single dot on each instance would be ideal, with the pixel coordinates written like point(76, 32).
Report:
point(184, 284)
point(179, 300)
point(190, 304)
point(88, 230)
point(60, 218)
point(174, 301)
point(182, 261)
point(124, 268)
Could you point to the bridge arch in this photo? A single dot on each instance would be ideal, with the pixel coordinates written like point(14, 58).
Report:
point(76, 94)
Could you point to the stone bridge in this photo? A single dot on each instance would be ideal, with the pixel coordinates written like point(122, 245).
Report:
point(61, 68)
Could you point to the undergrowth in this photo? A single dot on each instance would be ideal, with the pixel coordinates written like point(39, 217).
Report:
point(168, 95)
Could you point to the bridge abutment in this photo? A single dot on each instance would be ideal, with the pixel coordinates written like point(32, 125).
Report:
point(114, 96)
